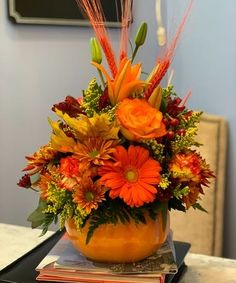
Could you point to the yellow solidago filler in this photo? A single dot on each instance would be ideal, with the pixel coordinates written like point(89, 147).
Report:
point(156, 148)
point(80, 215)
point(56, 197)
point(66, 213)
point(164, 183)
point(182, 142)
point(191, 131)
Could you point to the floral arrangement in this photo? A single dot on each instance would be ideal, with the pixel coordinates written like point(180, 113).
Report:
point(126, 147)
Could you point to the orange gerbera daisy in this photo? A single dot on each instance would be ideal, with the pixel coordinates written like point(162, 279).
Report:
point(95, 150)
point(89, 194)
point(132, 176)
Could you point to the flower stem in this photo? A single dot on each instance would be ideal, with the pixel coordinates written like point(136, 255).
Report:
point(101, 78)
point(134, 53)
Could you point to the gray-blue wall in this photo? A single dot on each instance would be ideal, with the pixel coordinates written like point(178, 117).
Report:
point(205, 62)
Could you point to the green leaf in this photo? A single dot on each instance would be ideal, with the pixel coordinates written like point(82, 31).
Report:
point(37, 217)
point(175, 203)
point(123, 216)
point(198, 206)
point(49, 219)
point(90, 232)
point(163, 105)
point(164, 210)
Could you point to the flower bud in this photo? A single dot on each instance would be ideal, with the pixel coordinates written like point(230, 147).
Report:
point(141, 34)
point(96, 52)
point(155, 98)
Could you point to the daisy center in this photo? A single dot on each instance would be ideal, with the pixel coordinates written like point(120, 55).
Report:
point(89, 196)
point(131, 175)
point(93, 153)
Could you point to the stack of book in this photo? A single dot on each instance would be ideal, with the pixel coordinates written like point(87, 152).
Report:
point(65, 264)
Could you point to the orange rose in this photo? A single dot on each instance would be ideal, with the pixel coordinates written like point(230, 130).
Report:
point(138, 120)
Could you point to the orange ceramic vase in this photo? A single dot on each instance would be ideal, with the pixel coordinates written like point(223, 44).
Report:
point(120, 243)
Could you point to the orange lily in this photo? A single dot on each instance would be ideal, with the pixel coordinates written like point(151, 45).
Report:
point(125, 82)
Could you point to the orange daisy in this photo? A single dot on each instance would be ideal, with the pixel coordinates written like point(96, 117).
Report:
point(45, 179)
point(89, 194)
point(39, 159)
point(95, 150)
point(132, 176)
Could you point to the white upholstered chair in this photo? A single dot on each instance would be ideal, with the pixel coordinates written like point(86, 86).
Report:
point(205, 230)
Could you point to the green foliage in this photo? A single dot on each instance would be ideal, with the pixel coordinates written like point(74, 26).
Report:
point(198, 206)
point(191, 121)
point(113, 212)
point(37, 217)
point(179, 192)
point(48, 220)
point(176, 204)
point(164, 209)
point(168, 91)
point(158, 207)
point(117, 211)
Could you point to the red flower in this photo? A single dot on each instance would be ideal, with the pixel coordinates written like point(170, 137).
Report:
point(70, 106)
point(25, 181)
